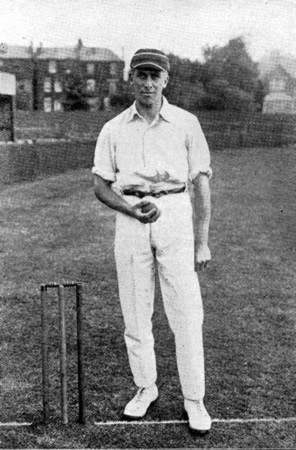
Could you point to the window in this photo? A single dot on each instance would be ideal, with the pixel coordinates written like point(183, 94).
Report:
point(47, 104)
point(47, 85)
point(93, 103)
point(58, 86)
point(281, 85)
point(3, 47)
point(112, 87)
point(90, 85)
point(113, 69)
point(57, 106)
point(52, 67)
point(1, 63)
point(90, 68)
point(277, 85)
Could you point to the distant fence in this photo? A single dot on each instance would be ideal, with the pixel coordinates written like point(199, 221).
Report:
point(222, 129)
point(229, 129)
point(76, 133)
point(60, 125)
point(29, 161)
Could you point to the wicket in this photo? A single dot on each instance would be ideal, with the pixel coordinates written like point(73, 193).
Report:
point(63, 351)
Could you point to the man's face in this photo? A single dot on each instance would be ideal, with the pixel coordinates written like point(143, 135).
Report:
point(148, 85)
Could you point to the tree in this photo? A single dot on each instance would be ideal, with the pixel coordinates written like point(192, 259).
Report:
point(34, 56)
point(185, 88)
point(230, 77)
point(261, 92)
point(124, 98)
point(75, 93)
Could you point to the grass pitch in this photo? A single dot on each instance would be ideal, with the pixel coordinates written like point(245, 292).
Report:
point(54, 229)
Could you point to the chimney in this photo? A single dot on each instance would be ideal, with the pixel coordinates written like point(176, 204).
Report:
point(78, 48)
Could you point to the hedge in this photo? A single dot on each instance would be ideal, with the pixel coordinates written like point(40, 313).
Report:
point(26, 162)
point(237, 129)
point(29, 161)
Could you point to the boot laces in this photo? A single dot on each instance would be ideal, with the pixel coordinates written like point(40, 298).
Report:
point(140, 394)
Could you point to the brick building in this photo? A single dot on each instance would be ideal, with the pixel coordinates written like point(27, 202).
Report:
point(282, 93)
point(43, 74)
point(278, 73)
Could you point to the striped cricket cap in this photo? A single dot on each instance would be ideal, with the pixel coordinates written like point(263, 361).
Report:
point(150, 58)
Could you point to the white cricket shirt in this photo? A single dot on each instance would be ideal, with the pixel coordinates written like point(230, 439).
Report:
point(162, 155)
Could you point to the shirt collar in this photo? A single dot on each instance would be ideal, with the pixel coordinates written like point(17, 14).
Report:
point(133, 112)
point(165, 111)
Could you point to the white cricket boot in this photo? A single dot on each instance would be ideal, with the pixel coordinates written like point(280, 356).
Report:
point(199, 419)
point(138, 406)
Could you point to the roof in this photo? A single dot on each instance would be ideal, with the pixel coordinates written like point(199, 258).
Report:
point(13, 51)
point(270, 61)
point(279, 72)
point(86, 53)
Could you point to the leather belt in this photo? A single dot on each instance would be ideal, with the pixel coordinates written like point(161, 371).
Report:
point(142, 194)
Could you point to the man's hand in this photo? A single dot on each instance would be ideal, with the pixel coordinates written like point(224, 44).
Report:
point(203, 257)
point(146, 212)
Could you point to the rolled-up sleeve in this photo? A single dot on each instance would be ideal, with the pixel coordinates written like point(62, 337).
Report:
point(198, 151)
point(104, 160)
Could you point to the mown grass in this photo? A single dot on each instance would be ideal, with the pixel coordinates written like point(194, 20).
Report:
point(54, 230)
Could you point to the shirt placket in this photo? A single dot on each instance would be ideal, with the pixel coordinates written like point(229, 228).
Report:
point(143, 146)
point(146, 141)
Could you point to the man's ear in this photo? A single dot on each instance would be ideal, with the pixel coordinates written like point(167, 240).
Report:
point(166, 81)
point(131, 76)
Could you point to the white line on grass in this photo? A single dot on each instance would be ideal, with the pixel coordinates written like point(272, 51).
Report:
point(15, 424)
point(168, 422)
point(164, 422)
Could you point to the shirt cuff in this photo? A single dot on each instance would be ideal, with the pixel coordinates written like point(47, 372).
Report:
point(109, 176)
point(208, 173)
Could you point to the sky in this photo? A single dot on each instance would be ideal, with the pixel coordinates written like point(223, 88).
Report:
point(182, 27)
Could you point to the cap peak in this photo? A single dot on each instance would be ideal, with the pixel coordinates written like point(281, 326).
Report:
point(150, 58)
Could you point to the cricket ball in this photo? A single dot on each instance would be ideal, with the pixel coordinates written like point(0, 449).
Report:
point(145, 209)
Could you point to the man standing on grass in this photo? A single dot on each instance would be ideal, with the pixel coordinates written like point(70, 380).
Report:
point(145, 159)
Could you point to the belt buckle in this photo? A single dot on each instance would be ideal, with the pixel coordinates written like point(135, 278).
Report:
point(160, 193)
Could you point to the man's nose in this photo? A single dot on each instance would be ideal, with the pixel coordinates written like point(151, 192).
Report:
point(148, 81)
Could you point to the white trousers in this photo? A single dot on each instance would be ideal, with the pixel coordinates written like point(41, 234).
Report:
point(166, 245)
